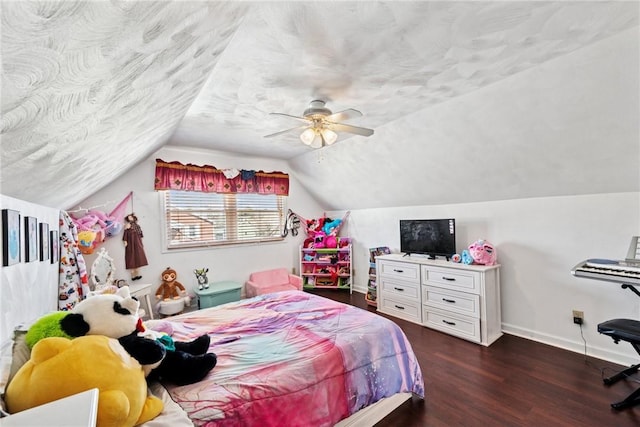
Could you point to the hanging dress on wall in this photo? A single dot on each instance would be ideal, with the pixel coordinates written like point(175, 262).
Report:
point(134, 256)
point(73, 284)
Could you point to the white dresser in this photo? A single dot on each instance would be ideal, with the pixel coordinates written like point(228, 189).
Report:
point(458, 299)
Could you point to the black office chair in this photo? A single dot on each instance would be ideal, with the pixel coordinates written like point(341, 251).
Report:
point(624, 330)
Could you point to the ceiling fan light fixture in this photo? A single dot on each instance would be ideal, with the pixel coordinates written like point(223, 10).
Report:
point(329, 136)
point(321, 125)
point(308, 136)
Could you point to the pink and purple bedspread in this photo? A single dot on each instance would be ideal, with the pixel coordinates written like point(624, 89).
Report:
point(300, 360)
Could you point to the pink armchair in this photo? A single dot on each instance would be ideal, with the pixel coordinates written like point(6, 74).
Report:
point(264, 282)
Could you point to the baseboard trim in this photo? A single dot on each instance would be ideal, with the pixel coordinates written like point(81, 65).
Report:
point(556, 341)
point(575, 346)
point(360, 290)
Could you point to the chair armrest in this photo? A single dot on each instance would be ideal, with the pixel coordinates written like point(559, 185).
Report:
point(252, 283)
point(295, 280)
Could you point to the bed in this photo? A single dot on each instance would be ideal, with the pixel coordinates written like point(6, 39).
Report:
point(287, 358)
point(295, 359)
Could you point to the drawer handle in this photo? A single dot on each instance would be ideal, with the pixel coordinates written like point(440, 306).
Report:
point(398, 271)
point(451, 279)
point(399, 307)
point(449, 300)
point(449, 323)
point(398, 289)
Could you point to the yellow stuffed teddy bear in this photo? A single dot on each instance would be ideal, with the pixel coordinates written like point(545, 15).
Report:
point(60, 367)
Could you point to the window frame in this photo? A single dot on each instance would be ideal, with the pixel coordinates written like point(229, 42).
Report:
point(231, 223)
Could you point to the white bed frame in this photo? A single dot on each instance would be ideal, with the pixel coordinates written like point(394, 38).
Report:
point(373, 414)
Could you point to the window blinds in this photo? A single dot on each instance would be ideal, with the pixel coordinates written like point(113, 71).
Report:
point(195, 219)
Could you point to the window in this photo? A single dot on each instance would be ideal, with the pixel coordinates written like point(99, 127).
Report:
point(194, 219)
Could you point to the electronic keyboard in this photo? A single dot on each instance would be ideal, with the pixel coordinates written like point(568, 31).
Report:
point(609, 270)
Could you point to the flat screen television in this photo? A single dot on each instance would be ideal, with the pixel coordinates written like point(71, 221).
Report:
point(433, 237)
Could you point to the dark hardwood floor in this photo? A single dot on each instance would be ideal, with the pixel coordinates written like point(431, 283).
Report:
point(513, 382)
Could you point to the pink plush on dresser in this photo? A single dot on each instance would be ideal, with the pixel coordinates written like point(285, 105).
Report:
point(265, 282)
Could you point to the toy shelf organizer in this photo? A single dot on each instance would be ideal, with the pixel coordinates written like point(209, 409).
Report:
point(327, 268)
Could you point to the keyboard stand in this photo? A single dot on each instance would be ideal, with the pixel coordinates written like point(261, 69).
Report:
point(624, 330)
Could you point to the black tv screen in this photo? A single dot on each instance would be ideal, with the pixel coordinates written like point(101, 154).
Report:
point(433, 237)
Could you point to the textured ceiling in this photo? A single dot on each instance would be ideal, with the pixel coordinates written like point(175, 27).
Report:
point(105, 84)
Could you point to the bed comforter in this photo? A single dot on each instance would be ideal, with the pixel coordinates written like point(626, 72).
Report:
point(298, 360)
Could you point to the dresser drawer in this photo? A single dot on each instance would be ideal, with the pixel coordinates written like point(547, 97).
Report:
point(402, 271)
point(399, 308)
point(449, 300)
point(452, 323)
point(396, 288)
point(466, 281)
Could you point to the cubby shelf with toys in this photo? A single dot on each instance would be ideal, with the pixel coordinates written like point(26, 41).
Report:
point(327, 268)
point(325, 258)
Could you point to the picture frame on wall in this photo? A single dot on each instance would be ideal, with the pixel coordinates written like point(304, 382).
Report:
point(30, 238)
point(10, 237)
point(44, 241)
point(55, 246)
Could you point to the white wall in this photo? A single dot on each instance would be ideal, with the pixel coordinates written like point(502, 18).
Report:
point(224, 263)
point(27, 290)
point(539, 241)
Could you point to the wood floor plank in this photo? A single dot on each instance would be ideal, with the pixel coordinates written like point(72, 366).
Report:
point(514, 382)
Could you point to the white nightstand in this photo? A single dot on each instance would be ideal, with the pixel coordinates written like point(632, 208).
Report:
point(79, 410)
point(140, 291)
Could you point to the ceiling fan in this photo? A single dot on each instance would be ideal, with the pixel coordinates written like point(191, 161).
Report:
point(321, 124)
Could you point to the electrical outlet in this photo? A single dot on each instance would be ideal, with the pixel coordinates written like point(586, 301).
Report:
point(578, 317)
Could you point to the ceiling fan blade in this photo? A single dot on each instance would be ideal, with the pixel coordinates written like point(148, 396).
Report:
point(285, 131)
point(302, 119)
point(341, 127)
point(343, 115)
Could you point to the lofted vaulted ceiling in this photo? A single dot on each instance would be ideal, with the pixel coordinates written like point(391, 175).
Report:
point(470, 101)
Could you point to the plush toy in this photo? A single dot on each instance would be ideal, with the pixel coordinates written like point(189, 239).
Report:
point(116, 316)
point(465, 257)
point(60, 367)
point(86, 241)
point(314, 226)
point(483, 252)
point(318, 240)
point(170, 287)
point(46, 326)
point(331, 227)
point(201, 277)
point(331, 241)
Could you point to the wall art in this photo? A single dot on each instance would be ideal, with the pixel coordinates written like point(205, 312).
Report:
point(55, 246)
point(30, 238)
point(44, 241)
point(10, 237)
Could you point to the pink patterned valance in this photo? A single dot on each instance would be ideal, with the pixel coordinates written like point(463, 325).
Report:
point(209, 179)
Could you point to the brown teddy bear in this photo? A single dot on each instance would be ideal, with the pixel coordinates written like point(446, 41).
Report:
point(170, 287)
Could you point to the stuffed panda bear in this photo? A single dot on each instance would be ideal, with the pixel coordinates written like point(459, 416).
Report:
point(116, 316)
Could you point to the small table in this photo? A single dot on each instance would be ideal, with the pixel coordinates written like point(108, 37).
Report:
point(142, 290)
point(218, 293)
